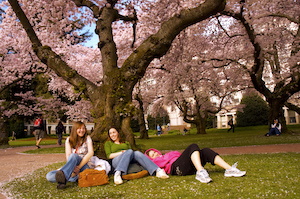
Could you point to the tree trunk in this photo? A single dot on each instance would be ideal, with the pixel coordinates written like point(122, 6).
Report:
point(3, 135)
point(112, 109)
point(142, 125)
point(201, 125)
point(141, 118)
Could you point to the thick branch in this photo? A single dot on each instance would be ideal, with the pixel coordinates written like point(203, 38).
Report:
point(94, 8)
point(50, 58)
point(158, 44)
point(292, 107)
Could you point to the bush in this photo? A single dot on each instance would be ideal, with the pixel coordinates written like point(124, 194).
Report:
point(255, 113)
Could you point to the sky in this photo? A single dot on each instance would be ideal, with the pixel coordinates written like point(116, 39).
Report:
point(93, 42)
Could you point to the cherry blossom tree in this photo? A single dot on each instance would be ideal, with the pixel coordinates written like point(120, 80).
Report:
point(271, 29)
point(194, 83)
point(112, 99)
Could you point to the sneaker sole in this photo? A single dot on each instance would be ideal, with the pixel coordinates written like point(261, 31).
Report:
point(118, 182)
point(203, 181)
point(234, 175)
point(60, 177)
point(164, 177)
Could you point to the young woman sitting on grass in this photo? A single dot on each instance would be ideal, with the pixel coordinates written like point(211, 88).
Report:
point(79, 150)
point(191, 161)
point(121, 154)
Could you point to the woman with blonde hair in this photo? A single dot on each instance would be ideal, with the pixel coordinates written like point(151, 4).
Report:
point(79, 150)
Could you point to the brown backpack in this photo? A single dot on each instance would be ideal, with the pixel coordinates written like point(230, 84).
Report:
point(92, 177)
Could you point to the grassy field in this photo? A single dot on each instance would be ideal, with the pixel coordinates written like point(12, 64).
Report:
point(243, 136)
point(268, 175)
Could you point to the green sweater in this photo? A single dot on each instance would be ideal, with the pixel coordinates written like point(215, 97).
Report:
point(111, 147)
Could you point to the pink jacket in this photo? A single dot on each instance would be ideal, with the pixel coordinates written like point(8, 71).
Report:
point(164, 161)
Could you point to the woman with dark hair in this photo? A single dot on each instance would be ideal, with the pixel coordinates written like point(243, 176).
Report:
point(79, 150)
point(122, 155)
point(191, 161)
point(275, 129)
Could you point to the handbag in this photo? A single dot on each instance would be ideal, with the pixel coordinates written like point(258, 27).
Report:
point(92, 177)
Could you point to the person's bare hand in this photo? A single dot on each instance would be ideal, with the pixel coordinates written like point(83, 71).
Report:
point(76, 170)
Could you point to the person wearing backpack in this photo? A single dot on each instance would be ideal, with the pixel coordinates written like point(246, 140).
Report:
point(39, 129)
point(60, 129)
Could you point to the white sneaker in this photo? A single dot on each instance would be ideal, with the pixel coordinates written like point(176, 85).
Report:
point(117, 178)
point(234, 172)
point(161, 174)
point(203, 176)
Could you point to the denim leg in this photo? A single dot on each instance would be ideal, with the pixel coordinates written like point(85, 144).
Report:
point(121, 162)
point(51, 176)
point(59, 138)
point(68, 168)
point(145, 162)
point(277, 132)
point(272, 131)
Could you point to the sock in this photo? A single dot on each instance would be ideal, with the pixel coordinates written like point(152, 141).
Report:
point(157, 170)
point(117, 173)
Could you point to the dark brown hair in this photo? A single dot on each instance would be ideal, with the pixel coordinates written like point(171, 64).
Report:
point(119, 135)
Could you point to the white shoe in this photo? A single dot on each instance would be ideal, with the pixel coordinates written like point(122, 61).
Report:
point(203, 176)
point(117, 178)
point(161, 174)
point(234, 172)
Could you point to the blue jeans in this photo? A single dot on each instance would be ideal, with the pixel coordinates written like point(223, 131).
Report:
point(121, 162)
point(274, 131)
point(59, 138)
point(73, 161)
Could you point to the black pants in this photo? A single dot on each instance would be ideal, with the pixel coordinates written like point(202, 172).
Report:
point(184, 165)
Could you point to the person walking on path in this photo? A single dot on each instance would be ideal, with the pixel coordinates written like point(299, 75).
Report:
point(39, 130)
point(230, 123)
point(60, 129)
point(158, 128)
point(14, 136)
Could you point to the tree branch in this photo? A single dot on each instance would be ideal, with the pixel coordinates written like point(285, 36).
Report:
point(158, 44)
point(93, 7)
point(50, 58)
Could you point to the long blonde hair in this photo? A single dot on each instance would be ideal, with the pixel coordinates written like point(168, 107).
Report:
point(74, 137)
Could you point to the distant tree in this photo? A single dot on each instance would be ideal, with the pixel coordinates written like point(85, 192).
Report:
point(255, 111)
point(264, 38)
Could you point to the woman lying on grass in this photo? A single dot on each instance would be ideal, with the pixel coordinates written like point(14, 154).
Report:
point(79, 150)
point(193, 159)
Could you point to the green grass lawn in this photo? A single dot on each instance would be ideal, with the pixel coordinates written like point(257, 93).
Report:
point(243, 136)
point(268, 176)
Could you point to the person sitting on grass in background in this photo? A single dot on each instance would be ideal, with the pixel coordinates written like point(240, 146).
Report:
point(122, 155)
point(79, 150)
point(275, 128)
point(191, 161)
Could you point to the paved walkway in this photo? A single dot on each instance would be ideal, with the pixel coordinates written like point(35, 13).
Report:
point(14, 163)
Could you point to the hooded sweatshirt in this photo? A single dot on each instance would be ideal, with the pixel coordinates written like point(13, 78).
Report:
point(164, 161)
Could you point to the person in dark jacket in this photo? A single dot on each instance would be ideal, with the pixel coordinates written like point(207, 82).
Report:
point(60, 129)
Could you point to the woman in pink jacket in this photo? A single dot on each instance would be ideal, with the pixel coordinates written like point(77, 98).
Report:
point(191, 161)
